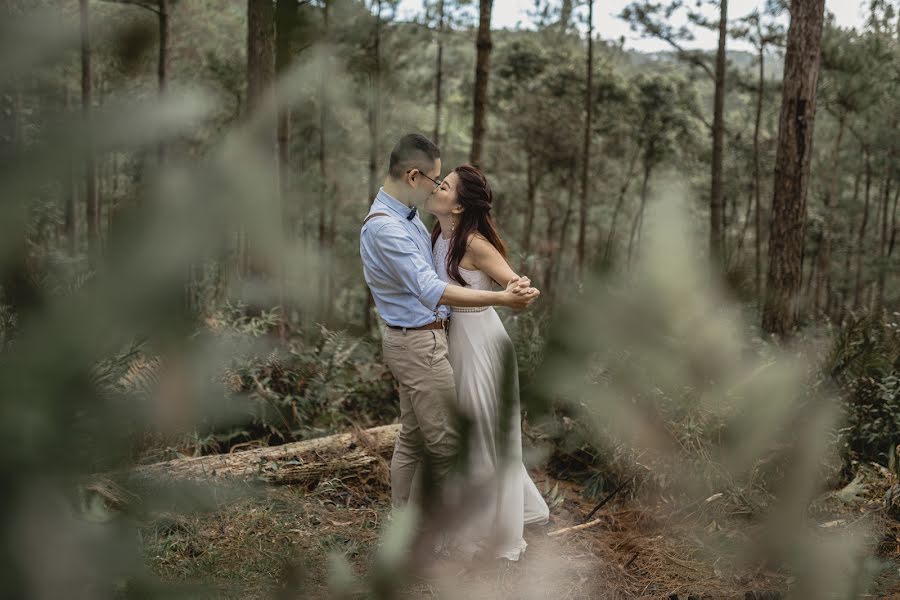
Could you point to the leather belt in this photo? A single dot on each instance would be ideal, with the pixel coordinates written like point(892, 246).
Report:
point(439, 324)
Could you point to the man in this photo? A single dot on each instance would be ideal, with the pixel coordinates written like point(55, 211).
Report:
point(398, 266)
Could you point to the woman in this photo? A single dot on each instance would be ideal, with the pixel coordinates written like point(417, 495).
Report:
point(469, 252)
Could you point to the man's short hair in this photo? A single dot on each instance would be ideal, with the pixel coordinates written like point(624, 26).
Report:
point(413, 151)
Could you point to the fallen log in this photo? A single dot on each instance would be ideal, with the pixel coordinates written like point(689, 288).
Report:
point(303, 462)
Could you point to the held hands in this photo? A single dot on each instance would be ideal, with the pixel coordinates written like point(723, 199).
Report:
point(520, 293)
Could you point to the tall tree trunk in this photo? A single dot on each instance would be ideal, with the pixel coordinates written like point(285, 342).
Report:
point(374, 104)
point(623, 190)
point(887, 239)
point(100, 88)
point(861, 239)
point(69, 223)
point(757, 175)
point(848, 255)
point(716, 209)
point(883, 244)
point(894, 223)
point(285, 23)
point(586, 148)
point(260, 78)
point(552, 218)
point(374, 133)
point(742, 237)
point(323, 147)
point(162, 64)
point(564, 229)
point(557, 251)
point(439, 75)
point(482, 71)
point(635, 238)
point(813, 263)
point(823, 284)
point(334, 201)
point(90, 165)
point(795, 135)
point(260, 54)
point(531, 201)
point(285, 20)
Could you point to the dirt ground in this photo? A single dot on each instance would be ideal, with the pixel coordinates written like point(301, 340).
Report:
point(276, 544)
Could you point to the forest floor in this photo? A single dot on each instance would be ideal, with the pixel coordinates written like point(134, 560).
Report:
point(242, 549)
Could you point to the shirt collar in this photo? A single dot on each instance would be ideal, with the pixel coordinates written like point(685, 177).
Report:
point(392, 203)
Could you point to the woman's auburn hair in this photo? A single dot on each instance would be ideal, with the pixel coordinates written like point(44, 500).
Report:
point(473, 192)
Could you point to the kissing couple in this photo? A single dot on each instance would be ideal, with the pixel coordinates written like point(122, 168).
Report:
point(448, 350)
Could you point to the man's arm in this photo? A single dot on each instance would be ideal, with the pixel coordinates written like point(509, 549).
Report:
point(399, 255)
point(511, 297)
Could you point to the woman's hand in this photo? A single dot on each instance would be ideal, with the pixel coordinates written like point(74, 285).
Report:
point(519, 294)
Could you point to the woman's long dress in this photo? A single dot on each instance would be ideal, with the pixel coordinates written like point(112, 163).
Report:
point(487, 387)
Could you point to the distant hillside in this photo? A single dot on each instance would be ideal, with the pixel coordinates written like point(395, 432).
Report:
point(738, 58)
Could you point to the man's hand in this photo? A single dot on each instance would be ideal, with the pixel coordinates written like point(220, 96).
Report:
point(519, 294)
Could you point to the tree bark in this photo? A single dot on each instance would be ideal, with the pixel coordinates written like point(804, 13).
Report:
point(823, 283)
point(861, 239)
point(531, 201)
point(304, 462)
point(586, 149)
point(285, 21)
point(323, 147)
point(716, 233)
point(623, 190)
point(374, 133)
point(439, 75)
point(552, 218)
point(260, 78)
point(69, 223)
point(260, 52)
point(90, 164)
point(557, 251)
point(374, 104)
point(883, 245)
point(638, 222)
point(482, 71)
point(795, 135)
point(893, 224)
point(848, 273)
point(162, 65)
point(757, 176)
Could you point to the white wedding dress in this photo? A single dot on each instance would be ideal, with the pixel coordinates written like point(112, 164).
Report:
point(484, 367)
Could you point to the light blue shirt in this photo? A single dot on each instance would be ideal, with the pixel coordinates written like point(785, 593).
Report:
point(398, 265)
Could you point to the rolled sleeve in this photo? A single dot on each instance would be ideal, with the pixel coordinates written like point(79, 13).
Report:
point(399, 255)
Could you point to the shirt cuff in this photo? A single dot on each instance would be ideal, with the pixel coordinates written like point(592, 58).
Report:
point(431, 295)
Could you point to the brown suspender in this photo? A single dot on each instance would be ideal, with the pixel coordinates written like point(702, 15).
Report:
point(373, 215)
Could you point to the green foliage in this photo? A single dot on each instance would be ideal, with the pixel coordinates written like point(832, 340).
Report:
point(646, 384)
point(7, 326)
point(311, 385)
point(865, 363)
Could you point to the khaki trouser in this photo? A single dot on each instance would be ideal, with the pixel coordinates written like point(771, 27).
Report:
point(420, 362)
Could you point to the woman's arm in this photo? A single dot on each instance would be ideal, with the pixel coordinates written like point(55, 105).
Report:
point(487, 258)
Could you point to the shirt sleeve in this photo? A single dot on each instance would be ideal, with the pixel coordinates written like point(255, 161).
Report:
point(400, 257)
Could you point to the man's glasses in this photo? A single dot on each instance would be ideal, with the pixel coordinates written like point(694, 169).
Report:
point(436, 182)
